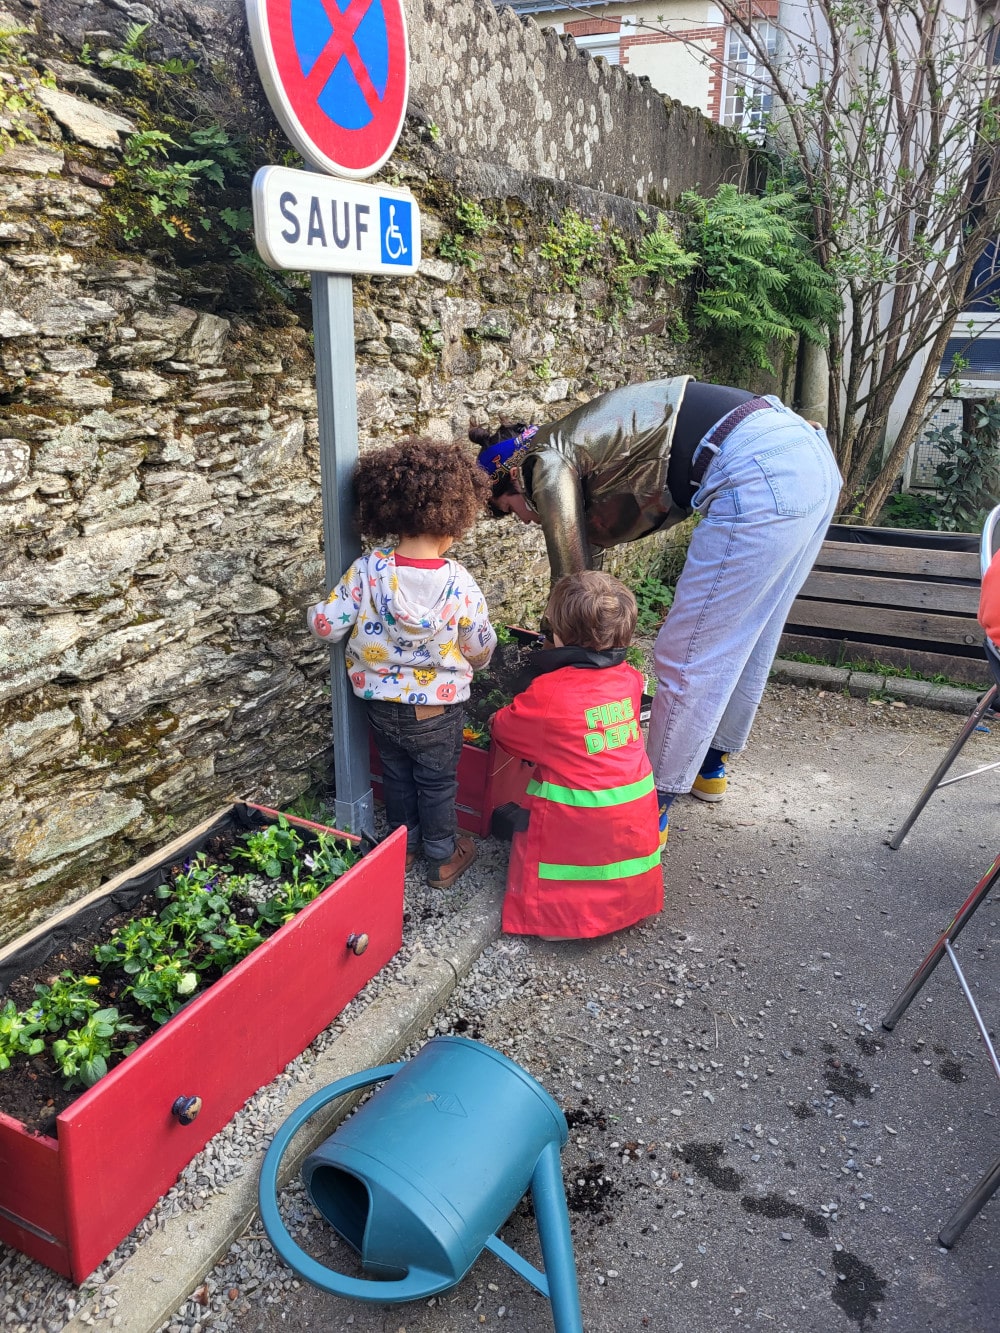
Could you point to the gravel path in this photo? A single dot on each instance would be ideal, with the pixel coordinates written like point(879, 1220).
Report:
point(747, 1146)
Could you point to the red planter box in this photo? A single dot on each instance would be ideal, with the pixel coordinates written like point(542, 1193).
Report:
point(486, 779)
point(68, 1201)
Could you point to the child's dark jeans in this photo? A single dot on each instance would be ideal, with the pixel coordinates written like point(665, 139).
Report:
point(419, 773)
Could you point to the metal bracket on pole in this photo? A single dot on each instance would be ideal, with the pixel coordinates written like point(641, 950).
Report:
point(336, 395)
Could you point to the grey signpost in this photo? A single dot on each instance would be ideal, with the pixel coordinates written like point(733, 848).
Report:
point(337, 401)
point(330, 225)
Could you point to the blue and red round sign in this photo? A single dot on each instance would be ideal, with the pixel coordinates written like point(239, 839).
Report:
point(336, 73)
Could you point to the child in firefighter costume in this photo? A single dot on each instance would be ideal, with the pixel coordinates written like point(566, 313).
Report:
point(588, 862)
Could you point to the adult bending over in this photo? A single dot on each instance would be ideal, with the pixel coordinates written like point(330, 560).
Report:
point(639, 459)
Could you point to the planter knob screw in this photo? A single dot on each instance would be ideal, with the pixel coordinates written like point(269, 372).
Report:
point(186, 1109)
point(357, 943)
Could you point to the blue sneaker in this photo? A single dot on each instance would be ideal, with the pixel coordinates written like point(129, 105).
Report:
point(664, 821)
point(710, 784)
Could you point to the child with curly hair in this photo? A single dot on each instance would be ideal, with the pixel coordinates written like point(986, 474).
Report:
point(588, 862)
point(418, 627)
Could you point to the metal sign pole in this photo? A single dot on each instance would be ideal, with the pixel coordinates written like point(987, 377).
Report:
point(337, 400)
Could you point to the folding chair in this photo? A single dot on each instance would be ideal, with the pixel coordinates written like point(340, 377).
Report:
point(990, 1183)
point(987, 549)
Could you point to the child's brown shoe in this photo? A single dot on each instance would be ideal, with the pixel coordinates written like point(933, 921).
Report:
point(443, 876)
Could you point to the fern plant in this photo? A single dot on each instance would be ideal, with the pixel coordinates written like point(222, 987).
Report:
point(758, 285)
point(660, 256)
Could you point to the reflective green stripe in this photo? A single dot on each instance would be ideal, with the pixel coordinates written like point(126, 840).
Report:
point(551, 791)
point(614, 870)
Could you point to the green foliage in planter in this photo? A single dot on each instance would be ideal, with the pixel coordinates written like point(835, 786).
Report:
point(474, 734)
point(290, 898)
point(271, 848)
point(18, 1034)
point(166, 956)
point(329, 859)
point(67, 999)
point(84, 1052)
point(163, 987)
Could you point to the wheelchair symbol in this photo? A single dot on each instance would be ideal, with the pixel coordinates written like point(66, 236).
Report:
point(393, 242)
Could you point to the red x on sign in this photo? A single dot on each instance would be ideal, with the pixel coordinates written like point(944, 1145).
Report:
point(342, 45)
point(336, 73)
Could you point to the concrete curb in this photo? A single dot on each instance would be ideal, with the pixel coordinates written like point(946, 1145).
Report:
point(167, 1267)
point(861, 684)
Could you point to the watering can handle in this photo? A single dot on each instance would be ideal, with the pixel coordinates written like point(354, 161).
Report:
point(417, 1284)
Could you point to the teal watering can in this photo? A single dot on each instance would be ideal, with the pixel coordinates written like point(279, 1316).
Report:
point(420, 1179)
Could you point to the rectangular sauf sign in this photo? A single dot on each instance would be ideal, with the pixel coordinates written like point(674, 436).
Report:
point(323, 224)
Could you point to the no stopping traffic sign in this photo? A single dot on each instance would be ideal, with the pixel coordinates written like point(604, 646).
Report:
point(336, 73)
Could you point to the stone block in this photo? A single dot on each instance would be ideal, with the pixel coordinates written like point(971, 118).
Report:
point(13, 325)
point(207, 339)
point(86, 122)
point(15, 463)
point(144, 384)
point(54, 732)
point(64, 318)
point(81, 820)
point(30, 650)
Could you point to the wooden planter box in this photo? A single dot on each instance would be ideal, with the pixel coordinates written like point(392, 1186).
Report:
point(902, 597)
point(486, 779)
point(68, 1201)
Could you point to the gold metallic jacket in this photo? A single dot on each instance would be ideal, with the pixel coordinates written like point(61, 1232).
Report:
point(598, 476)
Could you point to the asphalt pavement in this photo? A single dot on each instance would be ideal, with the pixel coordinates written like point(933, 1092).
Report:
point(748, 1147)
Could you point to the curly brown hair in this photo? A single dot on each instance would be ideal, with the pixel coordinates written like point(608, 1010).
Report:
point(419, 487)
point(592, 609)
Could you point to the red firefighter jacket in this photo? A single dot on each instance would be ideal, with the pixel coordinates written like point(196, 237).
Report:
point(589, 861)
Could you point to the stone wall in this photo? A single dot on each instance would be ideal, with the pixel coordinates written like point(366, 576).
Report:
point(160, 528)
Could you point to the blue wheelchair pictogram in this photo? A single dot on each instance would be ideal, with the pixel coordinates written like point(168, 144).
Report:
point(395, 230)
point(343, 52)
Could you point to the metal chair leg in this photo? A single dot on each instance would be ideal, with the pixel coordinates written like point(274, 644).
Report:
point(981, 708)
point(977, 1197)
point(951, 932)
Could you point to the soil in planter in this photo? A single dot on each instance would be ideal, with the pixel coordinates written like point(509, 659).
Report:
point(496, 686)
point(31, 1089)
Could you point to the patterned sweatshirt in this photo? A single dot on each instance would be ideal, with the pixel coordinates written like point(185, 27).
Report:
point(417, 628)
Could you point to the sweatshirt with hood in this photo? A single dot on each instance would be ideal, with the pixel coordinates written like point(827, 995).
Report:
point(417, 628)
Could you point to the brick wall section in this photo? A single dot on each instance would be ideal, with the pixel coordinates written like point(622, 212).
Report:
point(592, 27)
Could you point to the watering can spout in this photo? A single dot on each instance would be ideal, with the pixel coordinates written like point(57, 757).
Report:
point(421, 1178)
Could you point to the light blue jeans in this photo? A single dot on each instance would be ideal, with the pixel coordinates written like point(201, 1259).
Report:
point(765, 502)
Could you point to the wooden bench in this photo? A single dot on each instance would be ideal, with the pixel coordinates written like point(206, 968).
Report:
point(899, 597)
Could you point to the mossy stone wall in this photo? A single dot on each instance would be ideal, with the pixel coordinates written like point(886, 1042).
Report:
point(160, 526)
